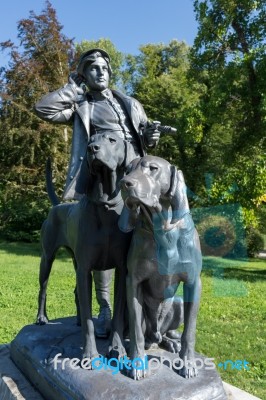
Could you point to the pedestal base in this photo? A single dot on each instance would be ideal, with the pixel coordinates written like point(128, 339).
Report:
point(34, 349)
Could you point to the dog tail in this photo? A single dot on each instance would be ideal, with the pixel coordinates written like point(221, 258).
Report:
point(49, 183)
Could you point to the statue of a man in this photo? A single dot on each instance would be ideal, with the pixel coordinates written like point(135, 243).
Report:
point(97, 110)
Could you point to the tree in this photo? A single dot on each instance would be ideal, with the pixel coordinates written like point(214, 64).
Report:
point(228, 56)
point(160, 80)
point(230, 45)
point(40, 64)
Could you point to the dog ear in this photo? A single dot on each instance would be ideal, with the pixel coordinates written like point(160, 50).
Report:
point(130, 154)
point(85, 179)
point(178, 194)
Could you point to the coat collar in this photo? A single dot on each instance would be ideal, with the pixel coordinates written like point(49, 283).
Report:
point(126, 100)
point(83, 109)
point(97, 95)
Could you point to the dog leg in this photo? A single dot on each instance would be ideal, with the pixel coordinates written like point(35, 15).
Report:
point(153, 310)
point(102, 281)
point(191, 306)
point(76, 292)
point(174, 318)
point(117, 349)
point(77, 305)
point(45, 269)
point(137, 341)
point(84, 285)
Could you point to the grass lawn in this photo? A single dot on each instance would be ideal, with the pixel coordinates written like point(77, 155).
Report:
point(231, 322)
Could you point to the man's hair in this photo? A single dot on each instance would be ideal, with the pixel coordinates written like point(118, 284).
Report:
point(89, 57)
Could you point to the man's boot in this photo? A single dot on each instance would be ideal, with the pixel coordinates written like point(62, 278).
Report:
point(102, 280)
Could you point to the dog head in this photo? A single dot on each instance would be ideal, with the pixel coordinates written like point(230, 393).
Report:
point(155, 185)
point(110, 151)
point(108, 155)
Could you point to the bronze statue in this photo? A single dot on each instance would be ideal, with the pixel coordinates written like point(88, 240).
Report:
point(89, 230)
point(108, 115)
point(98, 110)
point(164, 251)
point(132, 213)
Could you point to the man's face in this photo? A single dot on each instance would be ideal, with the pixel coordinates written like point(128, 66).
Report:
point(97, 75)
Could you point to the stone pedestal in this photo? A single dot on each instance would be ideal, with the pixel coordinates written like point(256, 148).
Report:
point(34, 349)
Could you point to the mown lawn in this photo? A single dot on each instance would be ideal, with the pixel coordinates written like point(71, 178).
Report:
point(231, 322)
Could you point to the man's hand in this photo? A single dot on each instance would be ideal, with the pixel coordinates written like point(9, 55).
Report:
point(78, 81)
point(151, 133)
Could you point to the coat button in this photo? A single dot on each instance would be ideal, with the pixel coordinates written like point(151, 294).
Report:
point(72, 177)
point(81, 158)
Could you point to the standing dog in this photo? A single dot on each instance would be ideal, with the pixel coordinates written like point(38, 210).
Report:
point(164, 251)
point(89, 230)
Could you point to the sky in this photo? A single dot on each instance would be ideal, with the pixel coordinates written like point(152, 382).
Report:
point(127, 23)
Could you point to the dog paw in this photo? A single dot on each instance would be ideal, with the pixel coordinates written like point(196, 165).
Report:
point(188, 372)
point(171, 345)
point(137, 375)
point(173, 334)
point(189, 367)
point(117, 352)
point(154, 337)
point(42, 320)
point(138, 368)
point(90, 363)
point(149, 345)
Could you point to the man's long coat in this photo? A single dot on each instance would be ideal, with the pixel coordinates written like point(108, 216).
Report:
point(65, 106)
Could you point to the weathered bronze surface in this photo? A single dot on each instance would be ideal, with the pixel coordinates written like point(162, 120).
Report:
point(132, 213)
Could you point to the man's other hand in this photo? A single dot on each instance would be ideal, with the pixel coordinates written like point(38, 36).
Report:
point(151, 134)
point(78, 80)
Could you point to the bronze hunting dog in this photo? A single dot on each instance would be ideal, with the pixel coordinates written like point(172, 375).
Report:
point(89, 230)
point(164, 251)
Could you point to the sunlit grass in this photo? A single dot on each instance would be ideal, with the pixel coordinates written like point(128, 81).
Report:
point(231, 322)
point(19, 269)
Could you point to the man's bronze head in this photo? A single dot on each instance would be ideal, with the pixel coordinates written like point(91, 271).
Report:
point(91, 56)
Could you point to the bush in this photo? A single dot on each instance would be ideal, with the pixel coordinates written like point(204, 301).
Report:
point(254, 241)
point(262, 219)
point(221, 230)
point(22, 214)
point(217, 236)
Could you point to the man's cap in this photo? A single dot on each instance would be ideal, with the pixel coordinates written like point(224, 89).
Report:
point(90, 56)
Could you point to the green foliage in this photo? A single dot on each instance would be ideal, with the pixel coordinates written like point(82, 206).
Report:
point(262, 219)
point(230, 48)
point(217, 235)
point(23, 208)
point(160, 81)
point(224, 234)
point(38, 66)
point(222, 230)
point(228, 56)
point(243, 178)
point(255, 242)
point(213, 93)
